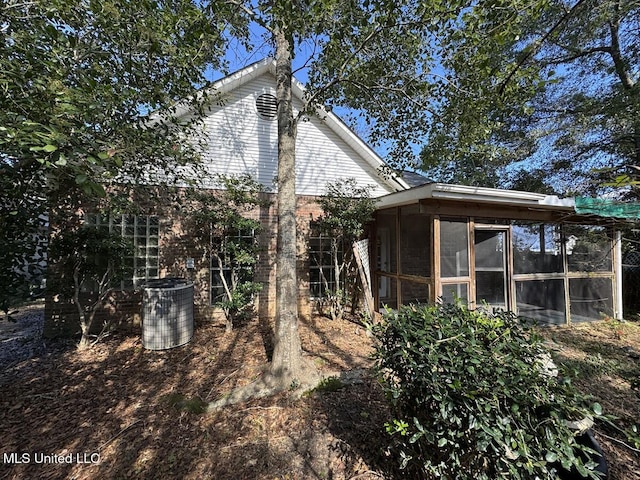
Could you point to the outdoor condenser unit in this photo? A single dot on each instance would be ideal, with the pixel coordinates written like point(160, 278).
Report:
point(167, 313)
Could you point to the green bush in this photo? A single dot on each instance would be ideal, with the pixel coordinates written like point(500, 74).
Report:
point(472, 399)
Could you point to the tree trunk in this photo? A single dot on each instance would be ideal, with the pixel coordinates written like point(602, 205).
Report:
point(85, 323)
point(85, 340)
point(625, 77)
point(286, 364)
point(288, 370)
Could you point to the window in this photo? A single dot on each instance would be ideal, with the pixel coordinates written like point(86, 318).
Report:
point(225, 264)
point(322, 274)
point(143, 232)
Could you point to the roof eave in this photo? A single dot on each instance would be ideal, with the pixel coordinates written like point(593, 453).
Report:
point(463, 193)
point(351, 138)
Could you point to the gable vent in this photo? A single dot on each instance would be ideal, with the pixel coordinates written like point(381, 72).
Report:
point(267, 106)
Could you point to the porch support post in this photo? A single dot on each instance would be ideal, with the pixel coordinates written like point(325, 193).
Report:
point(617, 275)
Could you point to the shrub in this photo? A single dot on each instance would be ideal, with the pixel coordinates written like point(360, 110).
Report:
point(346, 208)
point(472, 399)
point(88, 259)
point(228, 237)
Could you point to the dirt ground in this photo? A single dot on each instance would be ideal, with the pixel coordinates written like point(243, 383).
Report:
point(603, 359)
point(135, 412)
point(119, 411)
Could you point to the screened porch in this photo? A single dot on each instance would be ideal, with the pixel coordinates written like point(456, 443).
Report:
point(506, 250)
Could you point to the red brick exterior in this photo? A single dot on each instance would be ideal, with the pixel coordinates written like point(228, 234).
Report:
point(176, 244)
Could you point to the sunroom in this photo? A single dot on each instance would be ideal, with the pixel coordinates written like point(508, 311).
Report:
point(529, 253)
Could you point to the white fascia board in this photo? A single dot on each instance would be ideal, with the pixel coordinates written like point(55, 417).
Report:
point(554, 201)
point(464, 193)
point(233, 81)
point(222, 86)
point(245, 75)
point(407, 197)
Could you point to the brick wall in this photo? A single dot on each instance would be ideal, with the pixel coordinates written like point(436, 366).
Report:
point(177, 243)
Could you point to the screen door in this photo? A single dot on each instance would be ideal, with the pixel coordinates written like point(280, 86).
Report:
point(491, 268)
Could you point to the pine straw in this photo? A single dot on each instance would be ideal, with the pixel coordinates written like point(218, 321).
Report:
point(136, 408)
point(601, 359)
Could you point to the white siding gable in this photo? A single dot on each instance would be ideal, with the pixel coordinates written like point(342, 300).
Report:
point(239, 141)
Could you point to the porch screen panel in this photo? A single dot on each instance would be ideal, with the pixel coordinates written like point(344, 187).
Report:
point(415, 242)
point(537, 248)
point(388, 296)
point(589, 248)
point(414, 292)
point(541, 300)
point(451, 292)
point(454, 248)
point(386, 240)
point(590, 298)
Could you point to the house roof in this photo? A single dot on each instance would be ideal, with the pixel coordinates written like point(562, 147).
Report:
point(491, 196)
point(268, 65)
point(415, 179)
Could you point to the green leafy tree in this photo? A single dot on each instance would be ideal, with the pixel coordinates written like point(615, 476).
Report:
point(346, 209)
point(553, 82)
point(78, 80)
point(220, 222)
point(372, 54)
point(89, 263)
point(22, 234)
point(533, 180)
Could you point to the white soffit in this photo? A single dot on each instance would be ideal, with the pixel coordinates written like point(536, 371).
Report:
point(463, 193)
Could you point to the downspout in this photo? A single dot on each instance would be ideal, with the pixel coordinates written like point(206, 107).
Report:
point(618, 314)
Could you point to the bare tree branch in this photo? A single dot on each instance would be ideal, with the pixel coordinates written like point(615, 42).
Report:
point(340, 77)
point(576, 54)
point(253, 15)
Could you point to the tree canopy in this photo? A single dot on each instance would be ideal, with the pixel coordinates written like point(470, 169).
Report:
point(78, 80)
point(553, 83)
